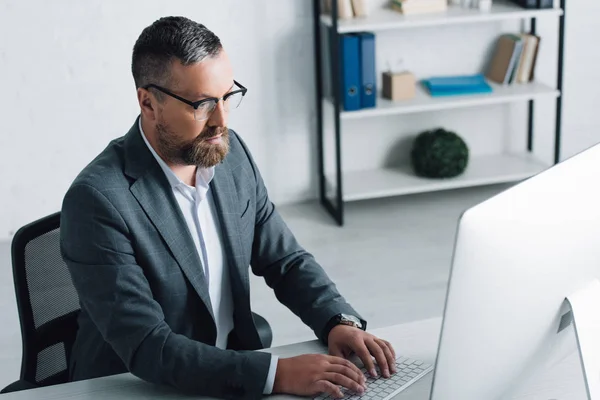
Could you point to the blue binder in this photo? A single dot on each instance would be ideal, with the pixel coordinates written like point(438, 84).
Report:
point(351, 77)
point(368, 94)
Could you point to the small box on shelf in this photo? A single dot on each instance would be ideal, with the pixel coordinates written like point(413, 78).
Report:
point(399, 85)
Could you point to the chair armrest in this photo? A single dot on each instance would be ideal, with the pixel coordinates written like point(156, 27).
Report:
point(264, 330)
point(18, 386)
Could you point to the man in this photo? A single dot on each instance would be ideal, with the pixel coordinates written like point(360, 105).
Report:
point(160, 229)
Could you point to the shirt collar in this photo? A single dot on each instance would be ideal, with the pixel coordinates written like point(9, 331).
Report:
point(203, 175)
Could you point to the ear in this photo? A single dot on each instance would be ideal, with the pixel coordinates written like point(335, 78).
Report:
point(148, 104)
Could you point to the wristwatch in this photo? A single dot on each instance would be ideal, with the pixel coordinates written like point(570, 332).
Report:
point(350, 320)
point(343, 319)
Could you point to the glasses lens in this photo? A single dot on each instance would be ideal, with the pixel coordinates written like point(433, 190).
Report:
point(204, 110)
point(233, 101)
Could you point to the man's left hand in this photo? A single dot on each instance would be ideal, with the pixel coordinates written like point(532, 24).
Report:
point(345, 340)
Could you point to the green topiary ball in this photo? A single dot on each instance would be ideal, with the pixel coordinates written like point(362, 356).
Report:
point(439, 154)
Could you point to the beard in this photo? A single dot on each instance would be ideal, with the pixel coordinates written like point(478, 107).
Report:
point(197, 152)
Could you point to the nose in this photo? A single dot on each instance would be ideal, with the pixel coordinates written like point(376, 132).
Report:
point(219, 116)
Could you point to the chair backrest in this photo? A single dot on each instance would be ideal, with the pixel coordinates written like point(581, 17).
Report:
point(47, 302)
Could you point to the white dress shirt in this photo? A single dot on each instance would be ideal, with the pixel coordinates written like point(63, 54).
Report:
point(197, 206)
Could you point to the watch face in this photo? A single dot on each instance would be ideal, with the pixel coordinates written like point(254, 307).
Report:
point(353, 319)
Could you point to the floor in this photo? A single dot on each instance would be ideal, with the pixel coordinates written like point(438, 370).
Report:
point(390, 260)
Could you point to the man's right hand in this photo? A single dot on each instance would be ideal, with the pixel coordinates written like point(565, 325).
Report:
point(313, 374)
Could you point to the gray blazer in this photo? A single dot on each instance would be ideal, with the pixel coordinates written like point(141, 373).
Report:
point(145, 306)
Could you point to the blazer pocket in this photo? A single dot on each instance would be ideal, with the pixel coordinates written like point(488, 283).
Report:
point(246, 208)
point(246, 217)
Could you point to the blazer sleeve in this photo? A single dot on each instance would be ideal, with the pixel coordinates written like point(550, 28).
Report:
point(97, 247)
point(298, 281)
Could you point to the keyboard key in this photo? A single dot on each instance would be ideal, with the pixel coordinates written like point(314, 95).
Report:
point(379, 388)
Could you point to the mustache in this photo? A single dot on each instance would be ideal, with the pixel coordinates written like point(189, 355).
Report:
point(210, 132)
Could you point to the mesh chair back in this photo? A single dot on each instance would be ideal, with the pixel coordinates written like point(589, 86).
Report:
point(47, 301)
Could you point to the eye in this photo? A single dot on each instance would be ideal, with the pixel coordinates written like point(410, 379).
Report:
point(206, 106)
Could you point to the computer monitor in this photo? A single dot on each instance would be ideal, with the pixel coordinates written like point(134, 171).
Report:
point(517, 256)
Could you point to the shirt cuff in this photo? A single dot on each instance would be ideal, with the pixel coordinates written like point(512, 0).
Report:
point(271, 377)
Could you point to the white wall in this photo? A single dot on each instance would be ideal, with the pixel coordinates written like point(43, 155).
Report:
point(67, 89)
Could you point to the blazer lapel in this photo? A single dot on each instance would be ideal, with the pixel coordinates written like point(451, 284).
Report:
point(153, 192)
point(227, 203)
point(226, 199)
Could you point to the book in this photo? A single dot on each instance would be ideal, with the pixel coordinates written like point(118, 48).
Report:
point(516, 57)
point(344, 8)
point(530, 50)
point(506, 57)
point(457, 85)
point(535, 57)
point(521, 64)
point(419, 6)
point(359, 8)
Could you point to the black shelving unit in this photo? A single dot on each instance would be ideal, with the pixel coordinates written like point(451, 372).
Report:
point(332, 193)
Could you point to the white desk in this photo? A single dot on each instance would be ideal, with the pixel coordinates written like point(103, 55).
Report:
point(417, 340)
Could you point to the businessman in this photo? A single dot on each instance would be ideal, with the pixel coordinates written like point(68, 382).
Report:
point(161, 229)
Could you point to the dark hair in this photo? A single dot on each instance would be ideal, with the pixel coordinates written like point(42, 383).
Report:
point(167, 39)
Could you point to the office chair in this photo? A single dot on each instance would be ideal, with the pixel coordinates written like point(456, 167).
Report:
point(48, 306)
point(47, 303)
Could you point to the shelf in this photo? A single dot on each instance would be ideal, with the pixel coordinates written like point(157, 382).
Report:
point(387, 19)
point(424, 102)
point(482, 170)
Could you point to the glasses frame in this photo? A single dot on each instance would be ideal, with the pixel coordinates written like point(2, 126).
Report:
point(196, 104)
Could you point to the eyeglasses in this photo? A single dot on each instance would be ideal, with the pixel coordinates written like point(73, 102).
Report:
point(204, 108)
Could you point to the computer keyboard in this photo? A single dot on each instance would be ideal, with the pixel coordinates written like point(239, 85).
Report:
point(408, 371)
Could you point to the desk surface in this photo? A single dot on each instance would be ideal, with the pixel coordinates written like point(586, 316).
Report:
point(417, 340)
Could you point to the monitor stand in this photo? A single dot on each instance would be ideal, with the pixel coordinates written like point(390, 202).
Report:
point(585, 309)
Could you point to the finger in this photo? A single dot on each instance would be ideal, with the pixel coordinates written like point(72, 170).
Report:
point(356, 376)
point(379, 355)
point(350, 366)
point(343, 380)
point(363, 353)
point(389, 355)
point(336, 352)
point(389, 345)
point(329, 388)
